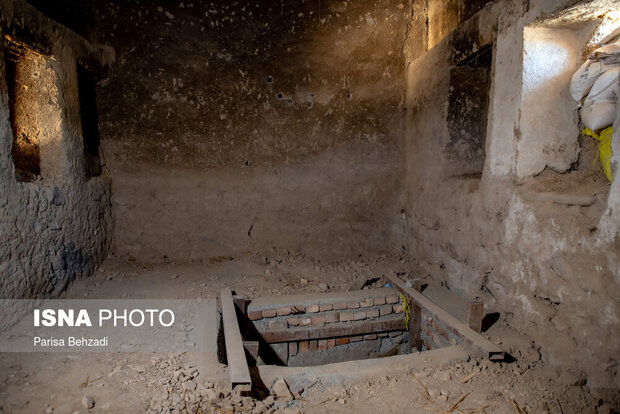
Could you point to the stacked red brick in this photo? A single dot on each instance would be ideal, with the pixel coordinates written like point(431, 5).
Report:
point(317, 310)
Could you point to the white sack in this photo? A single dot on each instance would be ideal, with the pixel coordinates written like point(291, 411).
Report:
point(605, 88)
point(600, 61)
point(607, 51)
point(599, 108)
point(585, 77)
point(598, 115)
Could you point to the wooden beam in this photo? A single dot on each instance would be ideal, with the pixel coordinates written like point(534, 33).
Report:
point(235, 352)
point(415, 322)
point(338, 330)
point(475, 315)
point(470, 338)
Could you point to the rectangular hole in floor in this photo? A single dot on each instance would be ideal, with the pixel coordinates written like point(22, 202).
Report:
point(324, 328)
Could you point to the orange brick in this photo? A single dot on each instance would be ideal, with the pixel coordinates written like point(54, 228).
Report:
point(293, 321)
point(356, 338)
point(385, 310)
point(254, 316)
point(358, 316)
point(314, 345)
point(326, 307)
point(318, 320)
point(332, 317)
point(284, 311)
point(370, 337)
point(379, 301)
point(366, 303)
point(269, 313)
point(372, 313)
point(323, 344)
point(346, 316)
point(342, 341)
point(340, 305)
point(331, 342)
point(353, 305)
point(297, 309)
point(398, 308)
point(312, 309)
point(303, 346)
point(391, 299)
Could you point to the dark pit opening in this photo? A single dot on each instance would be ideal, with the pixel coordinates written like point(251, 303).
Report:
point(317, 329)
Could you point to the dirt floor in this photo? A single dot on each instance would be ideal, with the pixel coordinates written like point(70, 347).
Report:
point(174, 383)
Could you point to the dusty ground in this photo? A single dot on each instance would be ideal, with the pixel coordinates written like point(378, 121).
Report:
point(133, 383)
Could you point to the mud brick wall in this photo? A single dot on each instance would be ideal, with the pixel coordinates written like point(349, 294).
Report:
point(233, 122)
point(504, 234)
point(55, 217)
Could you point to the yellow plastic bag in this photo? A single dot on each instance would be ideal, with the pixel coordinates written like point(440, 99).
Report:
point(406, 309)
point(604, 148)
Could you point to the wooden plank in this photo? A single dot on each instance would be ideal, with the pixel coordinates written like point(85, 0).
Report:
point(470, 338)
point(235, 352)
point(335, 331)
point(475, 315)
point(415, 322)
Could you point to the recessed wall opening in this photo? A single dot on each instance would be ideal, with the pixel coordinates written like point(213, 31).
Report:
point(549, 119)
point(553, 155)
point(21, 74)
point(90, 126)
point(468, 107)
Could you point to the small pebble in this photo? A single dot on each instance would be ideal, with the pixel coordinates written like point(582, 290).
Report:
point(189, 385)
point(88, 402)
